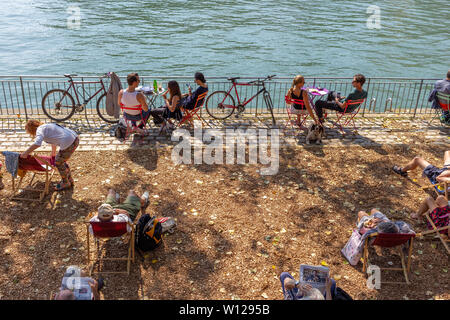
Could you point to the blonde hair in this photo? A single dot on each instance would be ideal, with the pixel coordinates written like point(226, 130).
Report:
point(32, 126)
point(298, 79)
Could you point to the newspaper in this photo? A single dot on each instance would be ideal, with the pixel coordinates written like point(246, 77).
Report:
point(316, 276)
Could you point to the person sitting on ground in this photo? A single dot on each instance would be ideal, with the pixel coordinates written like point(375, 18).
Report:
point(130, 98)
point(433, 173)
point(111, 210)
point(294, 290)
point(57, 136)
point(171, 108)
point(442, 86)
point(296, 92)
point(189, 100)
point(76, 285)
point(438, 210)
point(334, 101)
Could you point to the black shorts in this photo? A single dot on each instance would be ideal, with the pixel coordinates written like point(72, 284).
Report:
point(432, 172)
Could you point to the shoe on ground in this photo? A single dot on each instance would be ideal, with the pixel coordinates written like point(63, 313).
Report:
point(398, 170)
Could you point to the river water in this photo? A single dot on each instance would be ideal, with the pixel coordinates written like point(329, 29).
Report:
point(225, 38)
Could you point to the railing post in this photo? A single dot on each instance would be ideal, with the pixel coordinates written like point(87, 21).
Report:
point(418, 98)
point(23, 97)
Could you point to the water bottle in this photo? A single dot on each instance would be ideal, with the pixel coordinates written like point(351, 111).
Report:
point(155, 86)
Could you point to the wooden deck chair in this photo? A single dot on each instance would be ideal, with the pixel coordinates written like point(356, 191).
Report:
point(301, 114)
point(389, 240)
point(441, 188)
point(444, 103)
point(436, 231)
point(188, 114)
point(38, 166)
point(104, 231)
point(132, 125)
point(345, 117)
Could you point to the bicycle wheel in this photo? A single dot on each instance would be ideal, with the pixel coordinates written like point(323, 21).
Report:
point(58, 105)
point(101, 110)
point(220, 105)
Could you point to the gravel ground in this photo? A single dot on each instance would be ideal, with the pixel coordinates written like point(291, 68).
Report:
point(237, 230)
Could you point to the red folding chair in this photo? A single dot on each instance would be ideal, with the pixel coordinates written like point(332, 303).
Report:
point(444, 102)
point(188, 114)
point(37, 165)
point(133, 125)
point(102, 232)
point(389, 240)
point(345, 117)
point(302, 114)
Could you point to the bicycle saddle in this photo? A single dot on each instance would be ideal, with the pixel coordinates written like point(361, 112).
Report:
point(232, 79)
point(68, 75)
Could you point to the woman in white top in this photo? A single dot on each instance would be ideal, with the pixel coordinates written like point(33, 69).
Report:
point(134, 102)
point(57, 136)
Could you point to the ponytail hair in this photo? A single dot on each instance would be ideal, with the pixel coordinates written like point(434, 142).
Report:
point(298, 79)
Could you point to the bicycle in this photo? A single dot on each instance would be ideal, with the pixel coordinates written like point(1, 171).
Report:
point(59, 104)
point(220, 104)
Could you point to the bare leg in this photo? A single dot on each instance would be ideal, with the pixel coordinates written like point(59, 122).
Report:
point(427, 204)
point(134, 194)
point(414, 163)
point(447, 157)
point(362, 214)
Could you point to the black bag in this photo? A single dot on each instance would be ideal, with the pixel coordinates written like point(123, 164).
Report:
point(148, 233)
point(341, 295)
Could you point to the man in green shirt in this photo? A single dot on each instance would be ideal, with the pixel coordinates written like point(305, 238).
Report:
point(334, 103)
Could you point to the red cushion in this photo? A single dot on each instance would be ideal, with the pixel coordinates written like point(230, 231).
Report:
point(32, 164)
point(388, 240)
point(109, 229)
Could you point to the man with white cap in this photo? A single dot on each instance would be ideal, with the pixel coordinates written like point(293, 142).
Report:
point(106, 213)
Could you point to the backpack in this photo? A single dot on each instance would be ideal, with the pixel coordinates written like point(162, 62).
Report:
point(148, 233)
point(341, 295)
point(119, 131)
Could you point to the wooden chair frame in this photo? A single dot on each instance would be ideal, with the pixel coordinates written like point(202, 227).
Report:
point(98, 241)
point(42, 192)
point(406, 267)
point(435, 187)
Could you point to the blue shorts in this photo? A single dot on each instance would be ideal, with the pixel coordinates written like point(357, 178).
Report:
point(432, 172)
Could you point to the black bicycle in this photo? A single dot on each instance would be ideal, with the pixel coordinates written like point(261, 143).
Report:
point(221, 104)
point(59, 105)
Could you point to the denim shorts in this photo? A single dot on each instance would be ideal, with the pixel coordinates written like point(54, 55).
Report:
point(431, 172)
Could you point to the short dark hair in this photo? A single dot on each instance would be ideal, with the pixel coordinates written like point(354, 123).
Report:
point(448, 74)
point(360, 78)
point(132, 78)
point(200, 76)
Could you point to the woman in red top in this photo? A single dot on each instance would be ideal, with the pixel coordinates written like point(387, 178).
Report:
point(439, 212)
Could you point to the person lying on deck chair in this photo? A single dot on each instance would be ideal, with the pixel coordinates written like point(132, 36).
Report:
point(111, 210)
point(433, 173)
point(334, 101)
point(439, 212)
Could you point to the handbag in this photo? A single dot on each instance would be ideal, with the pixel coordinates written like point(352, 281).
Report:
point(350, 250)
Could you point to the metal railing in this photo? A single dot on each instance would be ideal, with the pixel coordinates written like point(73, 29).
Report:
point(21, 96)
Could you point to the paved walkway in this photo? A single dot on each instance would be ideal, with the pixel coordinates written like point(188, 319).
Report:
point(372, 131)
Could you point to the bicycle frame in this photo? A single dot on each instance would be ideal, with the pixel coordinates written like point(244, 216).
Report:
point(234, 85)
point(73, 83)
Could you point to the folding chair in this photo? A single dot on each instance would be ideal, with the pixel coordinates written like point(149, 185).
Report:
point(347, 116)
point(389, 240)
point(37, 165)
point(133, 125)
point(444, 103)
point(436, 231)
point(301, 116)
point(190, 113)
point(104, 231)
point(441, 188)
